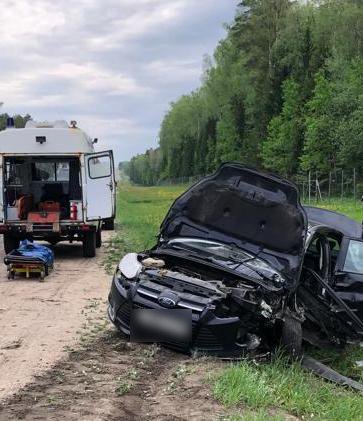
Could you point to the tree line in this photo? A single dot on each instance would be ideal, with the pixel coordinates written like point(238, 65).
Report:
point(283, 91)
point(19, 120)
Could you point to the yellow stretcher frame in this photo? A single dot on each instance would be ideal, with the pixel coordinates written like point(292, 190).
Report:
point(27, 269)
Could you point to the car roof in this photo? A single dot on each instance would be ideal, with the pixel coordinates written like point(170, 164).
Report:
point(334, 220)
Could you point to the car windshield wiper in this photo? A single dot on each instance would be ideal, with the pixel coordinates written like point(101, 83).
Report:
point(237, 256)
point(191, 251)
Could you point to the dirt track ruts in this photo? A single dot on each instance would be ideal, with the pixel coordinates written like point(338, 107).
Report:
point(88, 385)
point(39, 319)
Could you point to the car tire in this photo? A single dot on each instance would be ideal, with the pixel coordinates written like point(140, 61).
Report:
point(10, 243)
point(108, 224)
point(89, 244)
point(98, 238)
point(291, 337)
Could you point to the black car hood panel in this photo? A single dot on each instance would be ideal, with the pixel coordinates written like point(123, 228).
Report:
point(240, 205)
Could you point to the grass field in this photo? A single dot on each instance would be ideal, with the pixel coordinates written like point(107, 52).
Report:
point(348, 207)
point(140, 211)
point(285, 388)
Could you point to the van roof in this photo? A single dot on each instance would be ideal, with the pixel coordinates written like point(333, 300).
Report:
point(45, 141)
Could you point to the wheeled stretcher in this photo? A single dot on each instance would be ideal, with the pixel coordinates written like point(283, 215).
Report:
point(29, 259)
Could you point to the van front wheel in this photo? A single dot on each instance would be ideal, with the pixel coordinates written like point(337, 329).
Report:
point(108, 224)
point(89, 244)
point(98, 238)
point(10, 243)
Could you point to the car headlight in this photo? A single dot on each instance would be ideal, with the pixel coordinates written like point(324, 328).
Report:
point(129, 266)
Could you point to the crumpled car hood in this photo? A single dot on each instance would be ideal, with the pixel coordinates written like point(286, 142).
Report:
point(244, 207)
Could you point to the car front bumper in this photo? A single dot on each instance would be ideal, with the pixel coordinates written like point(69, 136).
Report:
point(210, 334)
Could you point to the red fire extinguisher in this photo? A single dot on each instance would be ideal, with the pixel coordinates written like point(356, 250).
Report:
point(73, 213)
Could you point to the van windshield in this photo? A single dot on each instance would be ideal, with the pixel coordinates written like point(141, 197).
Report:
point(50, 171)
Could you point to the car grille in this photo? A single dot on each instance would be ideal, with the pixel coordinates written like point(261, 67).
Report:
point(203, 338)
point(206, 339)
point(124, 313)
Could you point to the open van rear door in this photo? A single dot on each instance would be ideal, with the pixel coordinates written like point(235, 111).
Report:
point(2, 193)
point(101, 185)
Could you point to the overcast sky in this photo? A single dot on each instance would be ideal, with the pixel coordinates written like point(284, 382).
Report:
point(112, 65)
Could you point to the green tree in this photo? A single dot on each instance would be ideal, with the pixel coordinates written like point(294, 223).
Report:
point(282, 90)
point(281, 149)
point(321, 143)
point(348, 102)
point(19, 120)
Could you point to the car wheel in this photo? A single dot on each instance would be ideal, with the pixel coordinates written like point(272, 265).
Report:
point(89, 244)
point(291, 337)
point(10, 243)
point(98, 238)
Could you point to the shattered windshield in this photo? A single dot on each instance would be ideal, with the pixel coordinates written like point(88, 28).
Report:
point(354, 258)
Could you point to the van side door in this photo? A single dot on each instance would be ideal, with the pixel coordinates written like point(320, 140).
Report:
point(100, 185)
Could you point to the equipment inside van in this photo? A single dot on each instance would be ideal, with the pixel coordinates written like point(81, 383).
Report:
point(54, 186)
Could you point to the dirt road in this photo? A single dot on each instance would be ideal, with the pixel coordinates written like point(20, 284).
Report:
point(60, 359)
point(40, 320)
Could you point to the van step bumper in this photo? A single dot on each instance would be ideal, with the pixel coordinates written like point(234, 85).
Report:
point(65, 230)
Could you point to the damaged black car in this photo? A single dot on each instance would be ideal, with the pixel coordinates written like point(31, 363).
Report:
point(240, 266)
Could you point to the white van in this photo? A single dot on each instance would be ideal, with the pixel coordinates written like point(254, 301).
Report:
point(54, 186)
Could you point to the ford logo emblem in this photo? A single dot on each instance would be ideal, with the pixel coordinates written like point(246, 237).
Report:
point(167, 302)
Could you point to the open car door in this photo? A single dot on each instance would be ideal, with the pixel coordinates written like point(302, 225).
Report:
point(101, 185)
point(348, 281)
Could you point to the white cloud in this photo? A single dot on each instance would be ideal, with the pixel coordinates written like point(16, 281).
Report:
point(137, 24)
point(174, 70)
point(21, 20)
point(85, 81)
point(114, 65)
point(108, 127)
point(92, 77)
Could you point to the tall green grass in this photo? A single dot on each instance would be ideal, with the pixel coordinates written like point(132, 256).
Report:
point(349, 207)
point(288, 387)
point(140, 211)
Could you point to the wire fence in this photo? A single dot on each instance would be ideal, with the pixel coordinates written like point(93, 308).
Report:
point(314, 187)
point(180, 180)
point(339, 184)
